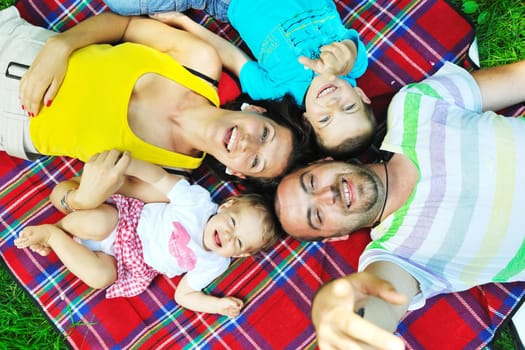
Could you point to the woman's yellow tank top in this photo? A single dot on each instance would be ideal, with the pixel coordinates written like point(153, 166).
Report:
point(90, 112)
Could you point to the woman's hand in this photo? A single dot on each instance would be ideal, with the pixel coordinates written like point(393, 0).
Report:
point(40, 84)
point(103, 175)
point(339, 327)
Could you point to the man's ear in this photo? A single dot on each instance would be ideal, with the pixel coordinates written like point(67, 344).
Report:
point(246, 107)
point(335, 239)
point(362, 94)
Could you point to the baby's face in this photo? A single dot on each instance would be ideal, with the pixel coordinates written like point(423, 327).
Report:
point(236, 230)
point(336, 111)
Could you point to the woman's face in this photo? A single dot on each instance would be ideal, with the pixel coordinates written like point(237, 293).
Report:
point(250, 144)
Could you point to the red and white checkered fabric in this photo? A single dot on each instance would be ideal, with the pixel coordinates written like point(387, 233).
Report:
point(134, 275)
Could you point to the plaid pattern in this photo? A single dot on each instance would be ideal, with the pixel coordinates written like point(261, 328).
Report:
point(134, 275)
point(405, 44)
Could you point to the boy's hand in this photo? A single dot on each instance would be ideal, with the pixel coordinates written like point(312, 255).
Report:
point(230, 306)
point(336, 59)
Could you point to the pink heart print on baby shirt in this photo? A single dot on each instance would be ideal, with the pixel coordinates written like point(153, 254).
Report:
point(178, 247)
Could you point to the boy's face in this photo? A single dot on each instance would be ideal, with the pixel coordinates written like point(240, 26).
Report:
point(236, 230)
point(336, 111)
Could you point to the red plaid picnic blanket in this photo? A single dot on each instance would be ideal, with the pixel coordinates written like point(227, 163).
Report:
point(407, 40)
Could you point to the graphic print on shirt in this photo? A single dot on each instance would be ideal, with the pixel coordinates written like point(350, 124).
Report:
point(178, 247)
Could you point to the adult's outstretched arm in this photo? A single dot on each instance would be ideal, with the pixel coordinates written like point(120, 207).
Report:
point(382, 290)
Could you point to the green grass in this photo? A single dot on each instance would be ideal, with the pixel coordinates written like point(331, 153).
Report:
point(22, 324)
point(500, 27)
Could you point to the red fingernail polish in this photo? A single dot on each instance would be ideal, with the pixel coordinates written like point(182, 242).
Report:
point(48, 103)
point(23, 107)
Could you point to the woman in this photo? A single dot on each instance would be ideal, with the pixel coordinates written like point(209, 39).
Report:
point(154, 95)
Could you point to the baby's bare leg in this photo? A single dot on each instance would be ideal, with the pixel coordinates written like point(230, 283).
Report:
point(96, 269)
point(95, 224)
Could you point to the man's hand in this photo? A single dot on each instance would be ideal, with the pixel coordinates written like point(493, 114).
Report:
point(230, 306)
point(336, 59)
point(103, 175)
point(41, 82)
point(339, 327)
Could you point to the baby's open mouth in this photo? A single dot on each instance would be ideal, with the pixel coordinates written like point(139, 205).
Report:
point(217, 239)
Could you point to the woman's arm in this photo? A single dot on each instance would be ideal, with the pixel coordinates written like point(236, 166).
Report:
point(43, 79)
point(196, 300)
point(113, 172)
point(232, 57)
point(151, 175)
point(184, 47)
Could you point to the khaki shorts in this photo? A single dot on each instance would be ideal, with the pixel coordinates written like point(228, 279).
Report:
point(20, 42)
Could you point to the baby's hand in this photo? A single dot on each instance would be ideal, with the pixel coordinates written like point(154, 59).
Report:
point(230, 306)
point(336, 59)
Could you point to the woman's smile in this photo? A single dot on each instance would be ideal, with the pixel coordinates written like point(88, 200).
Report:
point(230, 139)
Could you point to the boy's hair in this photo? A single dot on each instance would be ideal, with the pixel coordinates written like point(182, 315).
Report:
point(352, 146)
point(272, 231)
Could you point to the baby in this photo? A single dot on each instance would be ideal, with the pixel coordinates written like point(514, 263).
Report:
point(124, 243)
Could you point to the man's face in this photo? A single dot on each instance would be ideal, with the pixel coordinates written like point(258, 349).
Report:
point(328, 199)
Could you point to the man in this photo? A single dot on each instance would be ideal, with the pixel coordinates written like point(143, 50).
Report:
point(449, 201)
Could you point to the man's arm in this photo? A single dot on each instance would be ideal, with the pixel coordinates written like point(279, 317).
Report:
point(501, 86)
point(381, 312)
point(382, 290)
